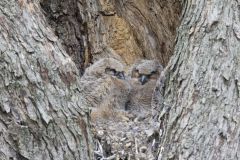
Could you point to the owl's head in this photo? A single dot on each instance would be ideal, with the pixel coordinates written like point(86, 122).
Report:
point(106, 67)
point(146, 70)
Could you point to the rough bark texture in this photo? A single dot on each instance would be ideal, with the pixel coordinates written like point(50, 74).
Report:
point(68, 20)
point(140, 29)
point(41, 116)
point(153, 24)
point(199, 99)
point(45, 46)
point(125, 30)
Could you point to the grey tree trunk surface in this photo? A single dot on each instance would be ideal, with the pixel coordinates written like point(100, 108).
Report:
point(198, 95)
point(45, 45)
point(41, 115)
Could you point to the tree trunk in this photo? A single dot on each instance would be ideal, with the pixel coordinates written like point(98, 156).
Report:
point(198, 95)
point(41, 116)
point(153, 24)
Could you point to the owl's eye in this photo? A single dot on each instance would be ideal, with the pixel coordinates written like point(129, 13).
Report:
point(153, 72)
point(110, 71)
point(115, 73)
point(154, 75)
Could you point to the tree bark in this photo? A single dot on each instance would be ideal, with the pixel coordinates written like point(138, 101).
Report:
point(41, 115)
point(153, 24)
point(198, 94)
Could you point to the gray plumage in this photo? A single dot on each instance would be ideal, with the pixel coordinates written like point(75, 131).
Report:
point(104, 85)
point(144, 75)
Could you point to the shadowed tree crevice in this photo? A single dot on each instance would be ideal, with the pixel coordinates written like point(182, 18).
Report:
point(124, 30)
point(67, 19)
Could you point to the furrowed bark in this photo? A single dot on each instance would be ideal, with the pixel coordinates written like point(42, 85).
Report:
point(199, 99)
point(41, 115)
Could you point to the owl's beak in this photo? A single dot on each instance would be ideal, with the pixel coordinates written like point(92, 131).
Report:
point(143, 79)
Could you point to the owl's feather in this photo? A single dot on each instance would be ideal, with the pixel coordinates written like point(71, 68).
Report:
point(101, 89)
point(141, 94)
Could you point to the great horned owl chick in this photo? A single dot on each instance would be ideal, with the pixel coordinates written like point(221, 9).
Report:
point(104, 86)
point(143, 79)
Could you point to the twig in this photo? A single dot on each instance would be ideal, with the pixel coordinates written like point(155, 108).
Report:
point(100, 147)
point(136, 147)
point(109, 158)
point(99, 152)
